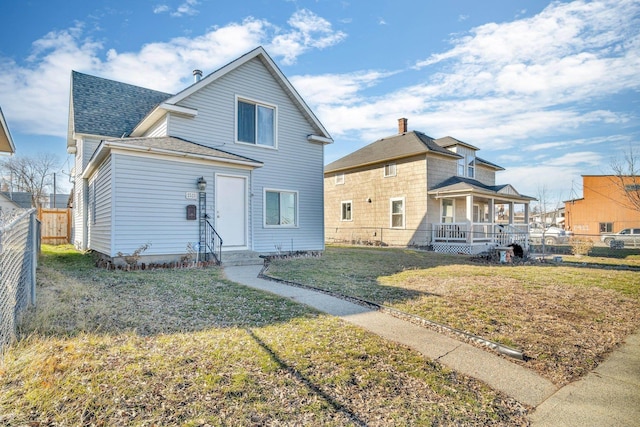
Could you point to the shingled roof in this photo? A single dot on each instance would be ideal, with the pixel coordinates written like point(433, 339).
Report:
point(168, 145)
point(457, 184)
point(395, 147)
point(106, 107)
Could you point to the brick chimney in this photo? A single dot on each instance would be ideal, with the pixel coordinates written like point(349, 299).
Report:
point(402, 125)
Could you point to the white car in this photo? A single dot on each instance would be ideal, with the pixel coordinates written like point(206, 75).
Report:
point(551, 235)
point(630, 236)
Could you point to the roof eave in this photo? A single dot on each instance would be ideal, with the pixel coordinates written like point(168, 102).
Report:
point(157, 113)
point(320, 139)
point(273, 69)
point(6, 141)
point(106, 146)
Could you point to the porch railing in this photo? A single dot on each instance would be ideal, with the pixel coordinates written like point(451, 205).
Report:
point(212, 243)
point(464, 232)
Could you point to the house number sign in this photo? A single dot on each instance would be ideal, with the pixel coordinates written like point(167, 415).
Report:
point(191, 195)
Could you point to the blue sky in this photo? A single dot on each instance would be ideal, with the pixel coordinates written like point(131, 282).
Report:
point(548, 90)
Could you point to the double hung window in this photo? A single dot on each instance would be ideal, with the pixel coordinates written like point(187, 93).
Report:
point(256, 123)
point(346, 214)
point(397, 213)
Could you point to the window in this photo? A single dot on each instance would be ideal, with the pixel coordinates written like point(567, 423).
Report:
point(256, 123)
point(390, 169)
point(467, 164)
point(606, 227)
point(346, 211)
point(447, 210)
point(471, 166)
point(281, 208)
point(397, 213)
point(339, 178)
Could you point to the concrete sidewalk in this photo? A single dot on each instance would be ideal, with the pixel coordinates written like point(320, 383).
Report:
point(608, 396)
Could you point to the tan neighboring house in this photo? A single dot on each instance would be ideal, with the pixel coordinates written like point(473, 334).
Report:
point(409, 189)
point(604, 207)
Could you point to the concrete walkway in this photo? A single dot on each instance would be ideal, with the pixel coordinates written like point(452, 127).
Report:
point(609, 396)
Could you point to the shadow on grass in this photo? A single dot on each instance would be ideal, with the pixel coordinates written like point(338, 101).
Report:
point(337, 406)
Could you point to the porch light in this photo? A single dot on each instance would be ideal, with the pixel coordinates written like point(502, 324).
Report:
point(202, 184)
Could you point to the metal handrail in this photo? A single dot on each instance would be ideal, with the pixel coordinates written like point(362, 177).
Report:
point(213, 242)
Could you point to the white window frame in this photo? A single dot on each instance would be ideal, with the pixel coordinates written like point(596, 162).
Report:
point(453, 208)
point(342, 204)
point(390, 169)
point(296, 207)
point(275, 122)
point(339, 178)
point(404, 212)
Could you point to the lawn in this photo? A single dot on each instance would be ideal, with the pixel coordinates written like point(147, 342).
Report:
point(186, 347)
point(565, 317)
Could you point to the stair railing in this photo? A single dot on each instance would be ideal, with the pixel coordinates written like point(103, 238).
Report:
point(212, 242)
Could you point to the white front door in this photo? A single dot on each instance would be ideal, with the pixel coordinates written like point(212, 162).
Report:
point(231, 210)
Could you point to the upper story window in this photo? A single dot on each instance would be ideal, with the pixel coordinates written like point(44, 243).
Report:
point(256, 123)
point(390, 169)
point(467, 164)
point(339, 178)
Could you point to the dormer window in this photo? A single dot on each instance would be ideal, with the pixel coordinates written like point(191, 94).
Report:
point(467, 164)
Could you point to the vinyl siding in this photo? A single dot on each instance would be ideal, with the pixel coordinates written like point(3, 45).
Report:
point(100, 221)
point(150, 201)
point(158, 129)
point(296, 164)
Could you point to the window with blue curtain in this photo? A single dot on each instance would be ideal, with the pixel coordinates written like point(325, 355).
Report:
point(256, 124)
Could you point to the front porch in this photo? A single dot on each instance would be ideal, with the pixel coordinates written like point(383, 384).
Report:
point(475, 217)
point(474, 238)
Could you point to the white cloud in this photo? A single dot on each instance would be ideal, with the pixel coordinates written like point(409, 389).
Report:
point(187, 8)
point(161, 8)
point(530, 78)
point(308, 31)
point(35, 94)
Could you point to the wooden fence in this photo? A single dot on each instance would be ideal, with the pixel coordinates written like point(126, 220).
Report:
point(55, 226)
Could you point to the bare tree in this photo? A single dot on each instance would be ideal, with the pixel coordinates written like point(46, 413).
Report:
point(627, 178)
point(30, 174)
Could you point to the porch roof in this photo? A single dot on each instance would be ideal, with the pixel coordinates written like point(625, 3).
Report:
point(457, 186)
point(170, 146)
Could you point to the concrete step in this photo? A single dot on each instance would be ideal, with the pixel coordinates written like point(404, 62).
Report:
point(238, 258)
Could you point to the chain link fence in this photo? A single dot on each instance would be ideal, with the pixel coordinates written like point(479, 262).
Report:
point(19, 248)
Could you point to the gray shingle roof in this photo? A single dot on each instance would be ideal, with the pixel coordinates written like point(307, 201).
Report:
point(179, 146)
point(107, 107)
point(21, 198)
point(458, 183)
point(394, 147)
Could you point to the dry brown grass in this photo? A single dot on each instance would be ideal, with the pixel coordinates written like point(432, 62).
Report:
point(185, 347)
point(566, 319)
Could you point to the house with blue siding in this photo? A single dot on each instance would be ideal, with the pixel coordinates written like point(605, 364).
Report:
point(232, 163)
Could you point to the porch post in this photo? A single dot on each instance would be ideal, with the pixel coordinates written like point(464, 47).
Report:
point(470, 217)
point(511, 216)
point(526, 213)
point(492, 211)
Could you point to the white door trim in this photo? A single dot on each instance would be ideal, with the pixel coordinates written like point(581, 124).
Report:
point(219, 203)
